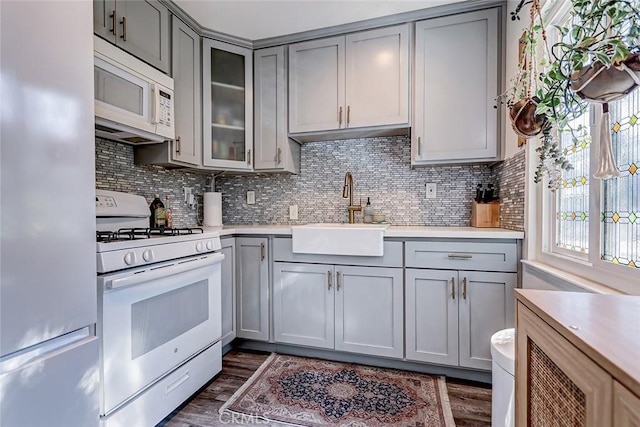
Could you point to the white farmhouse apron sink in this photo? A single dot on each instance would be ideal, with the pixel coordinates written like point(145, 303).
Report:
point(339, 239)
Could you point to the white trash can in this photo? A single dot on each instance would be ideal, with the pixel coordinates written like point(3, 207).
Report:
point(502, 375)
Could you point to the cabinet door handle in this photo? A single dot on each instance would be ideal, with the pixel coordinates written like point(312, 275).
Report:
point(279, 155)
point(329, 280)
point(177, 145)
point(337, 280)
point(124, 28)
point(419, 147)
point(249, 157)
point(348, 114)
point(460, 256)
point(113, 22)
point(453, 288)
point(261, 251)
point(340, 117)
point(464, 287)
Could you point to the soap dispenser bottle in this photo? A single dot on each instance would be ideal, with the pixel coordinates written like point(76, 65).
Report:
point(368, 212)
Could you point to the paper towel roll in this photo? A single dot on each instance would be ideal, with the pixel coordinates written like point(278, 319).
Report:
point(212, 209)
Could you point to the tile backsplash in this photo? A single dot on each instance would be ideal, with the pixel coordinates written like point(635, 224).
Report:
point(116, 171)
point(381, 171)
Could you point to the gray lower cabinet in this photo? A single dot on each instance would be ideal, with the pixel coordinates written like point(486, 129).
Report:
point(353, 309)
point(228, 290)
point(451, 315)
point(141, 27)
point(252, 288)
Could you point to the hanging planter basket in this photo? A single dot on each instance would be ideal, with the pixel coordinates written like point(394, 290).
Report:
point(602, 84)
point(524, 120)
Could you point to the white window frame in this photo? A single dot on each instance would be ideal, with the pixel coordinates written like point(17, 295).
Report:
point(541, 223)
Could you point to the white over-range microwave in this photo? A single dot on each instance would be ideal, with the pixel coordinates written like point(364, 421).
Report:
point(134, 102)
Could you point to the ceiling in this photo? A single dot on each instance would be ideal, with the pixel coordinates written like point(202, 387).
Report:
point(259, 19)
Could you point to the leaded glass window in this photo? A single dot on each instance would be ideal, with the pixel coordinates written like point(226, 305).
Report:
point(572, 196)
point(621, 196)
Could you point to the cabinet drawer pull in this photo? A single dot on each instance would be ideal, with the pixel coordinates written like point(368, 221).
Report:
point(337, 280)
point(464, 287)
point(453, 288)
point(249, 157)
point(261, 251)
point(177, 145)
point(348, 114)
point(279, 155)
point(419, 147)
point(329, 280)
point(124, 28)
point(460, 256)
point(113, 22)
point(340, 117)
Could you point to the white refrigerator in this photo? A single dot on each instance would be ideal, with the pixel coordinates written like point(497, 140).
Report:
point(48, 305)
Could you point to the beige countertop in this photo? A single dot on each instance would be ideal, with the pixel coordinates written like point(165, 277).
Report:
point(399, 231)
point(604, 327)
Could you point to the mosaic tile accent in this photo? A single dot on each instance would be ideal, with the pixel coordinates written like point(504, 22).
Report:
point(509, 176)
point(381, 171)
point(116, 171)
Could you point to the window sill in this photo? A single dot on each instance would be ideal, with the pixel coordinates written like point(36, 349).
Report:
point(572, 279)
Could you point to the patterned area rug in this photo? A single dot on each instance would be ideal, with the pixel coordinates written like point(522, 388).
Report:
point(311, 392)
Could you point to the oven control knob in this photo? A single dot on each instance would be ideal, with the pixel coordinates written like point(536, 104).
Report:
point(147, 255)
point(210, 245)
point(130, 258)
point(199, 247)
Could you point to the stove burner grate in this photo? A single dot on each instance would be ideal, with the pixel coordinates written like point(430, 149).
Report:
point(143, 233)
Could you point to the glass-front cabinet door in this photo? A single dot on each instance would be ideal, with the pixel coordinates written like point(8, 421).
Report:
point(227, 106)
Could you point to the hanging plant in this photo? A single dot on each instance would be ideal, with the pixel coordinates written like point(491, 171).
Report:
point(597, 60)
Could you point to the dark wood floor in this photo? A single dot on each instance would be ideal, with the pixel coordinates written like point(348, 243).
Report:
point(470, 402)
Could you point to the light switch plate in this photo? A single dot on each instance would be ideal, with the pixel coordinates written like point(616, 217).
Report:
point(293, 212)
point(251, 197)
point(431, 190)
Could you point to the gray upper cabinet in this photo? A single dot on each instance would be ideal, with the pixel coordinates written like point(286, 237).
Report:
point(353, 81)
point(187, 146)
point(140, 27)
point(227, 106)
point(316, 85)
point(186, 149)
point(456, 83)
point(274, 151)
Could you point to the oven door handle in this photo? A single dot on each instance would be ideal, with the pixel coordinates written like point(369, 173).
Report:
point(161, 272)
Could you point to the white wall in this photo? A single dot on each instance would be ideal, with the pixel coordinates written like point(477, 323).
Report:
point(514, 31)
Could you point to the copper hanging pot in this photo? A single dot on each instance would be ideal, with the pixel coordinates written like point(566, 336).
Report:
point(524, 120)
point(601, 84)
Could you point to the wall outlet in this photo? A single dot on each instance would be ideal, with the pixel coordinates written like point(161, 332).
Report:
point(431, 190)
point(293, 212)
point(251, 197)
point(188, 193)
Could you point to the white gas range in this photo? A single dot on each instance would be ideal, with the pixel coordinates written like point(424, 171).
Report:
point(159, 311)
